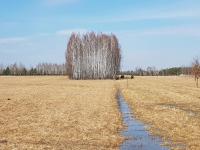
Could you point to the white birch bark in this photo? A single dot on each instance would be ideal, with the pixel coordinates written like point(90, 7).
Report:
point(93, 56)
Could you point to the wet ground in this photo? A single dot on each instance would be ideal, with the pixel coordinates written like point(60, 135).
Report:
point(137, 137)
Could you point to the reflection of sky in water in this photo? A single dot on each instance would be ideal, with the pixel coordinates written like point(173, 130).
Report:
point(135, 131)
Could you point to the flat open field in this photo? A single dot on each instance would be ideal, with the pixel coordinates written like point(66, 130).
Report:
point(169, 105)
point(57, 113)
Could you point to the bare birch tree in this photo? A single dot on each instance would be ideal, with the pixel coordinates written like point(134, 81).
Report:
point(196, 70)
point(1, 69)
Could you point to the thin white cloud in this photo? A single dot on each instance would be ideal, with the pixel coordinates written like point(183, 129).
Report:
point(59, 2)
point(183, 31)
point(27, 39)
point(165, 31)
point(13, 40)
point(68, 32)
point(152, 15)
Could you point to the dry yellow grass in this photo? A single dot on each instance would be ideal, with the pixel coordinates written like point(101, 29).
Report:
point(57, 113)
point(170, 105)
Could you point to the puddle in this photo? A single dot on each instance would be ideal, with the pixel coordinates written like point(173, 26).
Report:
point(137, 137)
point(175, 107)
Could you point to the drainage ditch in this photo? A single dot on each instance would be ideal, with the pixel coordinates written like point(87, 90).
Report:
point(138, 138)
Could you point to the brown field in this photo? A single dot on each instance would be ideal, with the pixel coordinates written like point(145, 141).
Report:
point(57, 113)
point(169, 105)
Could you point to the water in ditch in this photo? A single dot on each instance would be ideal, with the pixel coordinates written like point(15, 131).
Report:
point(137, 137)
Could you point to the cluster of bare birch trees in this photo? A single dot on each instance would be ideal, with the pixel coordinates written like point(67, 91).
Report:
point(93, 56)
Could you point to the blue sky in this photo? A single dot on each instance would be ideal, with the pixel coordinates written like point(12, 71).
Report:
point(160, 33)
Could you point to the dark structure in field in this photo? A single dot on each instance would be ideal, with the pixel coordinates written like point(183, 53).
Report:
point(93, 56)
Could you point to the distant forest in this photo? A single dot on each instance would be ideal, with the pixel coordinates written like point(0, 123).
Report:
point(152, 71)
point(60, 69)
point(40, 69)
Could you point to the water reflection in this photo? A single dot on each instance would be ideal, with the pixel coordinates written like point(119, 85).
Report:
point(138, 137)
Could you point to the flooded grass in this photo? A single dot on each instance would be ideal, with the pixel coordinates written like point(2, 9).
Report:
point(137, 136)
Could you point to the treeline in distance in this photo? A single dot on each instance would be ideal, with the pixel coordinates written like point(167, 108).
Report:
point(60, 69)
point(40, 69)
point(152, 71)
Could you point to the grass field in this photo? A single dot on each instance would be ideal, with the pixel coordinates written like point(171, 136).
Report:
point(169, 105)
point(57, 113)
